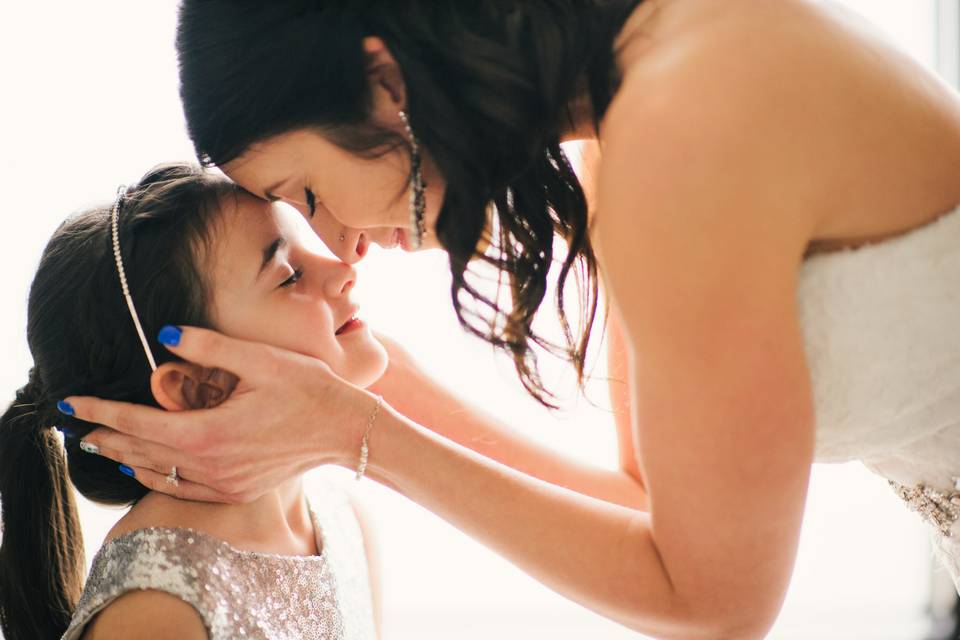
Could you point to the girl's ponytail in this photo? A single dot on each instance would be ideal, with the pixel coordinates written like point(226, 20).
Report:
point(41, 551)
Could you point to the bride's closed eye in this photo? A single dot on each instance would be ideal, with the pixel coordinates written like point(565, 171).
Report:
point(311, 200)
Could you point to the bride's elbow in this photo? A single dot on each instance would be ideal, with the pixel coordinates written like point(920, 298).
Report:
point(726, 629)
point(697, 622)
point(743, 622)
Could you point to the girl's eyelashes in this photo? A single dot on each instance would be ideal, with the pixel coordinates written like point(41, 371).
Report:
point(293, 279)
point(311, 200)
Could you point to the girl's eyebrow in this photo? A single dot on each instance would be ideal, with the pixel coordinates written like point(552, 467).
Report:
point(269, 252)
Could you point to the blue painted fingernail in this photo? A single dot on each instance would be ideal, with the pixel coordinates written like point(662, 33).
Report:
point(66, 431)
point(170, 335)
point(127, 471)
point(66, 408)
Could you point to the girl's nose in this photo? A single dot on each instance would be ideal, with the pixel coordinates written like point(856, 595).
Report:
point(340, 279)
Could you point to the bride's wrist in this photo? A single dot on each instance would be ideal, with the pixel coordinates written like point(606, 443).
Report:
point(382, 442)
point(341, 444)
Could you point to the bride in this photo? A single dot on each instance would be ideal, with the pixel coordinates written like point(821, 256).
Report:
point(190, 245)
point(776, 226)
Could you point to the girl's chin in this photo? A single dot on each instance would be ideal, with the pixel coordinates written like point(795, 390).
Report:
point(366, 365)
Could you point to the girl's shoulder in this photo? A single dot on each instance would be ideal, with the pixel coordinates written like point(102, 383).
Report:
point(188, 577)
point(146, 614)
point(147, 583)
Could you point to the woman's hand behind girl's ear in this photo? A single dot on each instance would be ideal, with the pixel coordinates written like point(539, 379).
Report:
point(268, 430)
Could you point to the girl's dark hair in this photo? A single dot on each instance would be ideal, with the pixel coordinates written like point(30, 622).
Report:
point(83, 341)
point(489, 87)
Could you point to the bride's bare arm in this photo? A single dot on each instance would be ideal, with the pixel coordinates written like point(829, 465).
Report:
point(429, 403)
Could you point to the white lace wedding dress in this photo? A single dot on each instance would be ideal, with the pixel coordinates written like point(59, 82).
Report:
point(881, 327)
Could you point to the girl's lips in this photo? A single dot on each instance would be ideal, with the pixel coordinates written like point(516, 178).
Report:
point(350, 325)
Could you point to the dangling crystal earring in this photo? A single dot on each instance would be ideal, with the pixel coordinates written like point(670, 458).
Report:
point(418, 200)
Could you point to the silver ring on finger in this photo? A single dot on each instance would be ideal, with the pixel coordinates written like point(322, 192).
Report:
point(173, 479)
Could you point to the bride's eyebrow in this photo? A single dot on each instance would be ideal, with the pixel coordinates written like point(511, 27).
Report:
point(269, 252)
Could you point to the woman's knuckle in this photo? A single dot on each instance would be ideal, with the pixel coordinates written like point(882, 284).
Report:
point(215, 441)
point(136, 450)
point(245, 497)
point(124, 421)
point(216, 472)
point(204, 442)
point(185, 440)
point(212, 345)
point(271, 364)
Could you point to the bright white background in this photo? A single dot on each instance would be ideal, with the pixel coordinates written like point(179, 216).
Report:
point(89, 100)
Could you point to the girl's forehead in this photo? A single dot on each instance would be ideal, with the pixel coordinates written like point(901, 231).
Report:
point(249, 225)
point(248, 217)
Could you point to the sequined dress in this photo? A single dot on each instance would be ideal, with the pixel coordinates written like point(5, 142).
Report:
point(881, 327)
point(243, 594)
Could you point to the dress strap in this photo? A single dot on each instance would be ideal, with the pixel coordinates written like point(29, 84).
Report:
point(339, 531)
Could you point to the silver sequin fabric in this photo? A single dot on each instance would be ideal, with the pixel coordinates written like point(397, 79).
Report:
point(243, 594)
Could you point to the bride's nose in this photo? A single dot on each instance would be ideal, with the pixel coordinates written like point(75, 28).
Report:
point(347, 244)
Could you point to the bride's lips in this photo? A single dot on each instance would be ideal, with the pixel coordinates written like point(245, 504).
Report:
point(394, 239)
point(404, 239)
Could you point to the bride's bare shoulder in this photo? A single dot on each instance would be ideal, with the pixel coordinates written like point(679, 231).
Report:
point(666, 41)
point(772, 90)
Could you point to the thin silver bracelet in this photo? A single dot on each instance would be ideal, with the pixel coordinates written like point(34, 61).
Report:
point(365, 442)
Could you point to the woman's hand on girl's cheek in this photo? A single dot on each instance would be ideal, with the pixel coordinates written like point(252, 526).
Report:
point(288, 413)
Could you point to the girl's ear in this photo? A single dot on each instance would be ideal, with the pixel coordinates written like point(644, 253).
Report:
point(178, 386)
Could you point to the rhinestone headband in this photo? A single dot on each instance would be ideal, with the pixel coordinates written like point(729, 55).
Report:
point(114, 224)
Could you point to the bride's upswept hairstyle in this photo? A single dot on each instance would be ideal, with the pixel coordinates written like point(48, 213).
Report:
point(489, 86)
point(83, 341)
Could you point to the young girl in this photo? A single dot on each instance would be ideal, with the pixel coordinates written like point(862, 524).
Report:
point(190, 247)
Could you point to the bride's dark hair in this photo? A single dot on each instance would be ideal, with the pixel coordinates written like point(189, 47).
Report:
point(489, 87)
point(83, 341)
